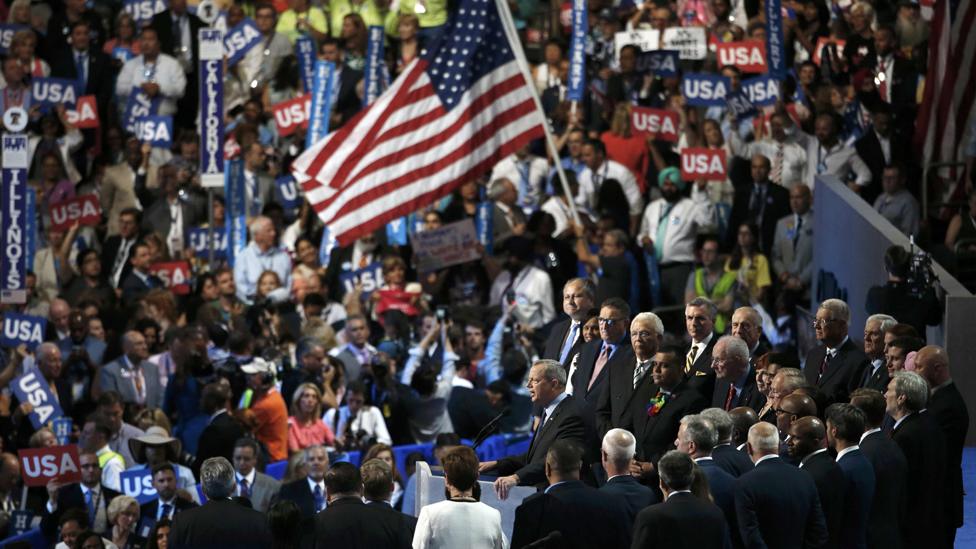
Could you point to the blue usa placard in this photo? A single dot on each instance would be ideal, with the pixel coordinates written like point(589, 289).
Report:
point(196, 240)
point(48, 92)
point(138, 106)
point(705, 90)
point(662, 63)
point(239, 40)
point(137, 483)
point(144, 10)
point(761, 91)
point(155, 130)
point(7, 31)
point(288, 193)
point(370, 276)
point(32, 387)
point(740, 106)
point(22, 329)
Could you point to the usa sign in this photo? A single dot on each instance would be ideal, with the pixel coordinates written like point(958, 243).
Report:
point(702, 163)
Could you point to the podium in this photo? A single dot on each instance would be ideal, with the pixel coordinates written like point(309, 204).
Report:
point(430, 489)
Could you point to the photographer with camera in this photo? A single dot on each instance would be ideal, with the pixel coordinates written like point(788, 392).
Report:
point(431, 382)
point(909, 295)
point(357, 426)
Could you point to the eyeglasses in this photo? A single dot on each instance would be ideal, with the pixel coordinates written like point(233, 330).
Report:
point(644, 334)
point(821, 322)
point(609, 322)
point(530, 382)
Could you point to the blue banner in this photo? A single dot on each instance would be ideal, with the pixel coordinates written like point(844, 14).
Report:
point(48, 92)
point(196, 240)
point(20, 522)
point(155, 130)
point(577, 52)
point(236, 199)
point(371, 277)
point(775, 43)
point(211, 108)
point(240, 40)
point(137, 483)
point(7, 31)
point(374, 75)
point(22, 329)
point(705, 90)
point(139, 105)
point(662, 63)
point(739, 105)
point(288, 193)
point(30, 228)
point(143, 10)
point(326, 246)
point(762, 91)
point(318, 116)
point(32, 387)
point(305, 52)
point(13, 197)
point(122, 54)
point(62, 429)
point(396, 232)
point(484, 224)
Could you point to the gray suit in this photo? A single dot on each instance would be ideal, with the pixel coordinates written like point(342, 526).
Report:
point(353, 368)
point(264, 195)
point(115, 377)
point(501, 227)
point(795, 258)
point(157, 217)
point(264, 491)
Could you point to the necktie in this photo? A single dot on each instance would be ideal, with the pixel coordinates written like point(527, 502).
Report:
point(525, 191)
point(542, 421)
point(80, 69)
point(662, 231)
point(883, 84)
point(730, 397)
point(91, 508)
point(756, 204)
point(639, 372)
point(823, 366)
point(796, 231)
point(776, 173)
point(690, 359)
point(119, 262)
point(164, 510)
point(245, 489)
point(570, 340)
point(319, 498)
point(601, 361)
point(177, 36)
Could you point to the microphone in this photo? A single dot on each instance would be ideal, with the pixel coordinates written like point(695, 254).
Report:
point(489, 428)
point(553, 536)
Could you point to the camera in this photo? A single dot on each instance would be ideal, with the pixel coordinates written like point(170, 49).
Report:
point(921, 276)
point(443, 313)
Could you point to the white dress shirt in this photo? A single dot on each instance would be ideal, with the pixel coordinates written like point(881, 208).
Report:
point(590, 182)
point(684, 220)
point(533, 295)
point(794, 155)
point(837, 160)
point(847, 450)
point(528, 175)
point(166, 72)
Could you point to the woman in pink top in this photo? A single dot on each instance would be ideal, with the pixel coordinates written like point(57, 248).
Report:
point(626, 147)
point(305, 426)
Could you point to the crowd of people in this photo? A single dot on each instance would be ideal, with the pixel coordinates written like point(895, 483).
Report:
point(710, 422)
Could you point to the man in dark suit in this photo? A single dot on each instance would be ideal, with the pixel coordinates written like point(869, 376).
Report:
point(623, 400)
point(171, 205)
point(469, 408)
point(735, 378)
point(776, 505)
point(948, 408)
point(792, 408)
point(923, 443)
point(890, 470)
point(880, 147)
point(139, 281)
point(347, 101)
point(378, 492)
point(221, 522)
point(807, 444)
point(177, 30)
point(725, 454)
point(697, 437)
point(596, 359)
point(746, 324)
point(566, 336)
point(584, 517)
point(222, 430)
point(117, 250)
point(899, 79)
point(89, 494)
point(350, 523)
point(657, 417)
point(836, 367)
point(845, 425)
point(761, 203)
point(700, 316)
point(309, 493)
point(166, 504)
point(560, 421)
point(876, 373)
point(616, 454)
point(683, 520)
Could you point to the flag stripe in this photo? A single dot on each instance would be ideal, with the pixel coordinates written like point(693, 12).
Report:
point(948, 97)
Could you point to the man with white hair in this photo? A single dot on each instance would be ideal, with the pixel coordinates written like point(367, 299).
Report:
point(616, 453)
point(876, 374)
point(837, 367)
point(697, 436)
point(260, 255)
point(746, 325)
point(735, 378)
point(630, 382)
point(776, 504)
point(507, 218)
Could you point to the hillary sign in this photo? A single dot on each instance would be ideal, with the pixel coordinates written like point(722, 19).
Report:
point(211, 108)
point(318, 115)
point(305, 52)
point(374, 74)
point(775, 48)
point(577, 52)
point(14, 203)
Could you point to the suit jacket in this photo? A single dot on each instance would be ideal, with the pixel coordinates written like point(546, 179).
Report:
point(470, 411)
point(352, 524)
point(588, 397)
point(501, 228)
point(109, 250)
point(875, 380)
point(220, 523)
point(619, 403)
point(299, 492)
point(885, 522)
point(157, 217)
point(218, 438)
point(635, 495)
point(70, 497)
point(776, 505)
point(859, 494)
point(777, 205)
point(263, 492)
point(134, 288)
point(163, 23)
point(732, 461)
point(869, 149)
point(831, 486)
point(347, 101)
point(722, 487)
point(843, 374)
point(949, 410)
point(684, 521)
point(557, 336)
point(923, 443)
point(565, 423)
point(114, 377)
point(794, 258)
point(702, 376)
point(149, 510)
point(655, 434)
point(100, 75)
point(586, 518)
point(749, 396)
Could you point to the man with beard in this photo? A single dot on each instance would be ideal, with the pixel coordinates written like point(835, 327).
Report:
point(669, 228)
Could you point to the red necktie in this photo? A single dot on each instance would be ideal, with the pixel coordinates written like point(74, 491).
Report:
point(729, 397)
point(823, 366)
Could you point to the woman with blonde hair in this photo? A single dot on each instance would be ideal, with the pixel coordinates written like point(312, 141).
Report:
point(123, 515)
point(305, 425)
point(23, 47)
point(626, 147)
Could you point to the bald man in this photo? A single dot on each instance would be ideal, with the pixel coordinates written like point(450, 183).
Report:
point(807, 444)
point(791, 408)
point(949, 410)
point(132, 375)
point(743, 418)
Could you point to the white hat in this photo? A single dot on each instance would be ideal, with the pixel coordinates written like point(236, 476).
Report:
point(257, 366)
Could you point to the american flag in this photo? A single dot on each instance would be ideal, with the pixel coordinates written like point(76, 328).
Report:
point(447, 119)
point(950, 84)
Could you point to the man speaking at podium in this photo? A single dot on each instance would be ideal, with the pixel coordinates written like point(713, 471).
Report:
point(560, 420)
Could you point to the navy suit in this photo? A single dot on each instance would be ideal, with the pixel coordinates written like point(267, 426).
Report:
point(922, 442)
point(843, 373)
point(732, 461)
point(776, 505)
point(635, 495)
point(587, 397)
point(830, 482)
point(722, 486)
point(586, 518)
point(888, 508)
point(557, 337)
point(684, 521)
point(748, 396)
point(656, 434)
point(858, 497)
point(564, 424)
point(299, 492)
point(949, 410)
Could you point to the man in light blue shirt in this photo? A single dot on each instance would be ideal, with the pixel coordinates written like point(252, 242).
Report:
point(259, 256)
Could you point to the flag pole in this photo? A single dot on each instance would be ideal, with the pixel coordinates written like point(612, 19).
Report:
point(508, 24)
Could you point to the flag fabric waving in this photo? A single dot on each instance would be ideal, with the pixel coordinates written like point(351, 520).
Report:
point(447, 119)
